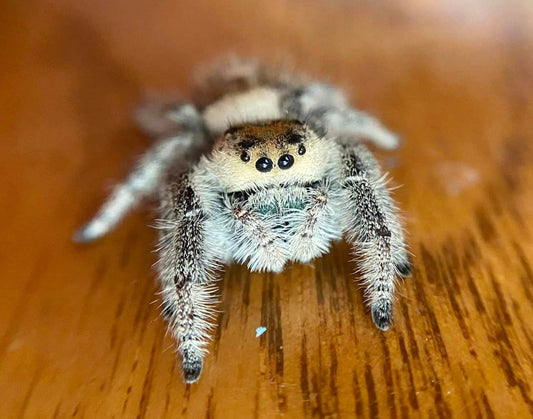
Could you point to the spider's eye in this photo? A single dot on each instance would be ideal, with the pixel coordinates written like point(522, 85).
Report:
point(285, 161)
point(245, 157)
point(264, 164)
point(301, 150)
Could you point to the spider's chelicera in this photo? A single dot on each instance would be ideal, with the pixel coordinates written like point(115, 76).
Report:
point(265, 169)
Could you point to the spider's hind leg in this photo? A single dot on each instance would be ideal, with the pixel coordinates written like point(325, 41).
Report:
point(148, 174)
point(233, 74)
point(327, 110)
point(161, 118)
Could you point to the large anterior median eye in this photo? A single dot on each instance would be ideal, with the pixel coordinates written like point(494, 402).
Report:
point(264, 164)
point(285, 161)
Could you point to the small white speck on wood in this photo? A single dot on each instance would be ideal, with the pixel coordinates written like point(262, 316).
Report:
point(259, 331)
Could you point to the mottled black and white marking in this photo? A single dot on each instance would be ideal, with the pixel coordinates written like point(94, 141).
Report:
point(264, 168)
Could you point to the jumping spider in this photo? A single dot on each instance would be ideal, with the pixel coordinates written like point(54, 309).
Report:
point(265, 168)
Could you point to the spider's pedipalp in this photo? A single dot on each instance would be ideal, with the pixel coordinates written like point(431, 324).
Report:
point(255, 238)
point(312, 235)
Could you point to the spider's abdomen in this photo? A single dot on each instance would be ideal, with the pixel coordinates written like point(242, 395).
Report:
point(258, 104)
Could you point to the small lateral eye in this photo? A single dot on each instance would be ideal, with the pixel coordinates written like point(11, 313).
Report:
point(245, 157)
point(301, 150)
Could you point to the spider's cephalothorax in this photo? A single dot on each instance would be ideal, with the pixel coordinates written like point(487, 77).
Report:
point(268, 169)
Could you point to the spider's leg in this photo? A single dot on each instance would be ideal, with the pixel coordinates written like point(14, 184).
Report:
point(353, 123)
point(256, 238)
point(145, 179)
point(374, 230)
point(187, 257)
point(326, 110)
point(300, 102)
point(312, 235)
point(232, 74)
point(163, 118)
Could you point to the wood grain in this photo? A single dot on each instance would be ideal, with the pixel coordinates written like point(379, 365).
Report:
point(80, 334)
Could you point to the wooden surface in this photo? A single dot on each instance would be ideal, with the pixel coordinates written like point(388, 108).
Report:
point(79, 328)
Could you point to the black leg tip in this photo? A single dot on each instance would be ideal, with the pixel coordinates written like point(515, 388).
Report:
point(382, 315)
point(192, 368)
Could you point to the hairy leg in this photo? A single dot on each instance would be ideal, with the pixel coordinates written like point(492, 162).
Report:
point(374, 230)
point(320, 224)
point(256, 237)
point(326, 109)
point(160, 118)
point(233, 74)
point(187, 258)
point(147, 176)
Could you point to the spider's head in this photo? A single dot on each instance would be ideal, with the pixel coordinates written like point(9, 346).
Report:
point(269, 153)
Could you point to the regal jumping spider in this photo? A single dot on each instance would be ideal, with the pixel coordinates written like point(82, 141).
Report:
point(265, 168)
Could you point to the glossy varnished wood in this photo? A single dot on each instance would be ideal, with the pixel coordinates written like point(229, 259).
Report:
point(79, 328)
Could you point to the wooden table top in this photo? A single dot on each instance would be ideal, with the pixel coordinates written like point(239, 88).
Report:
point(80, 333)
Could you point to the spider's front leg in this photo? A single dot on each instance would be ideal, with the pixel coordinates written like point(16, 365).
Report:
point(187, 258)
point(374, 230)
